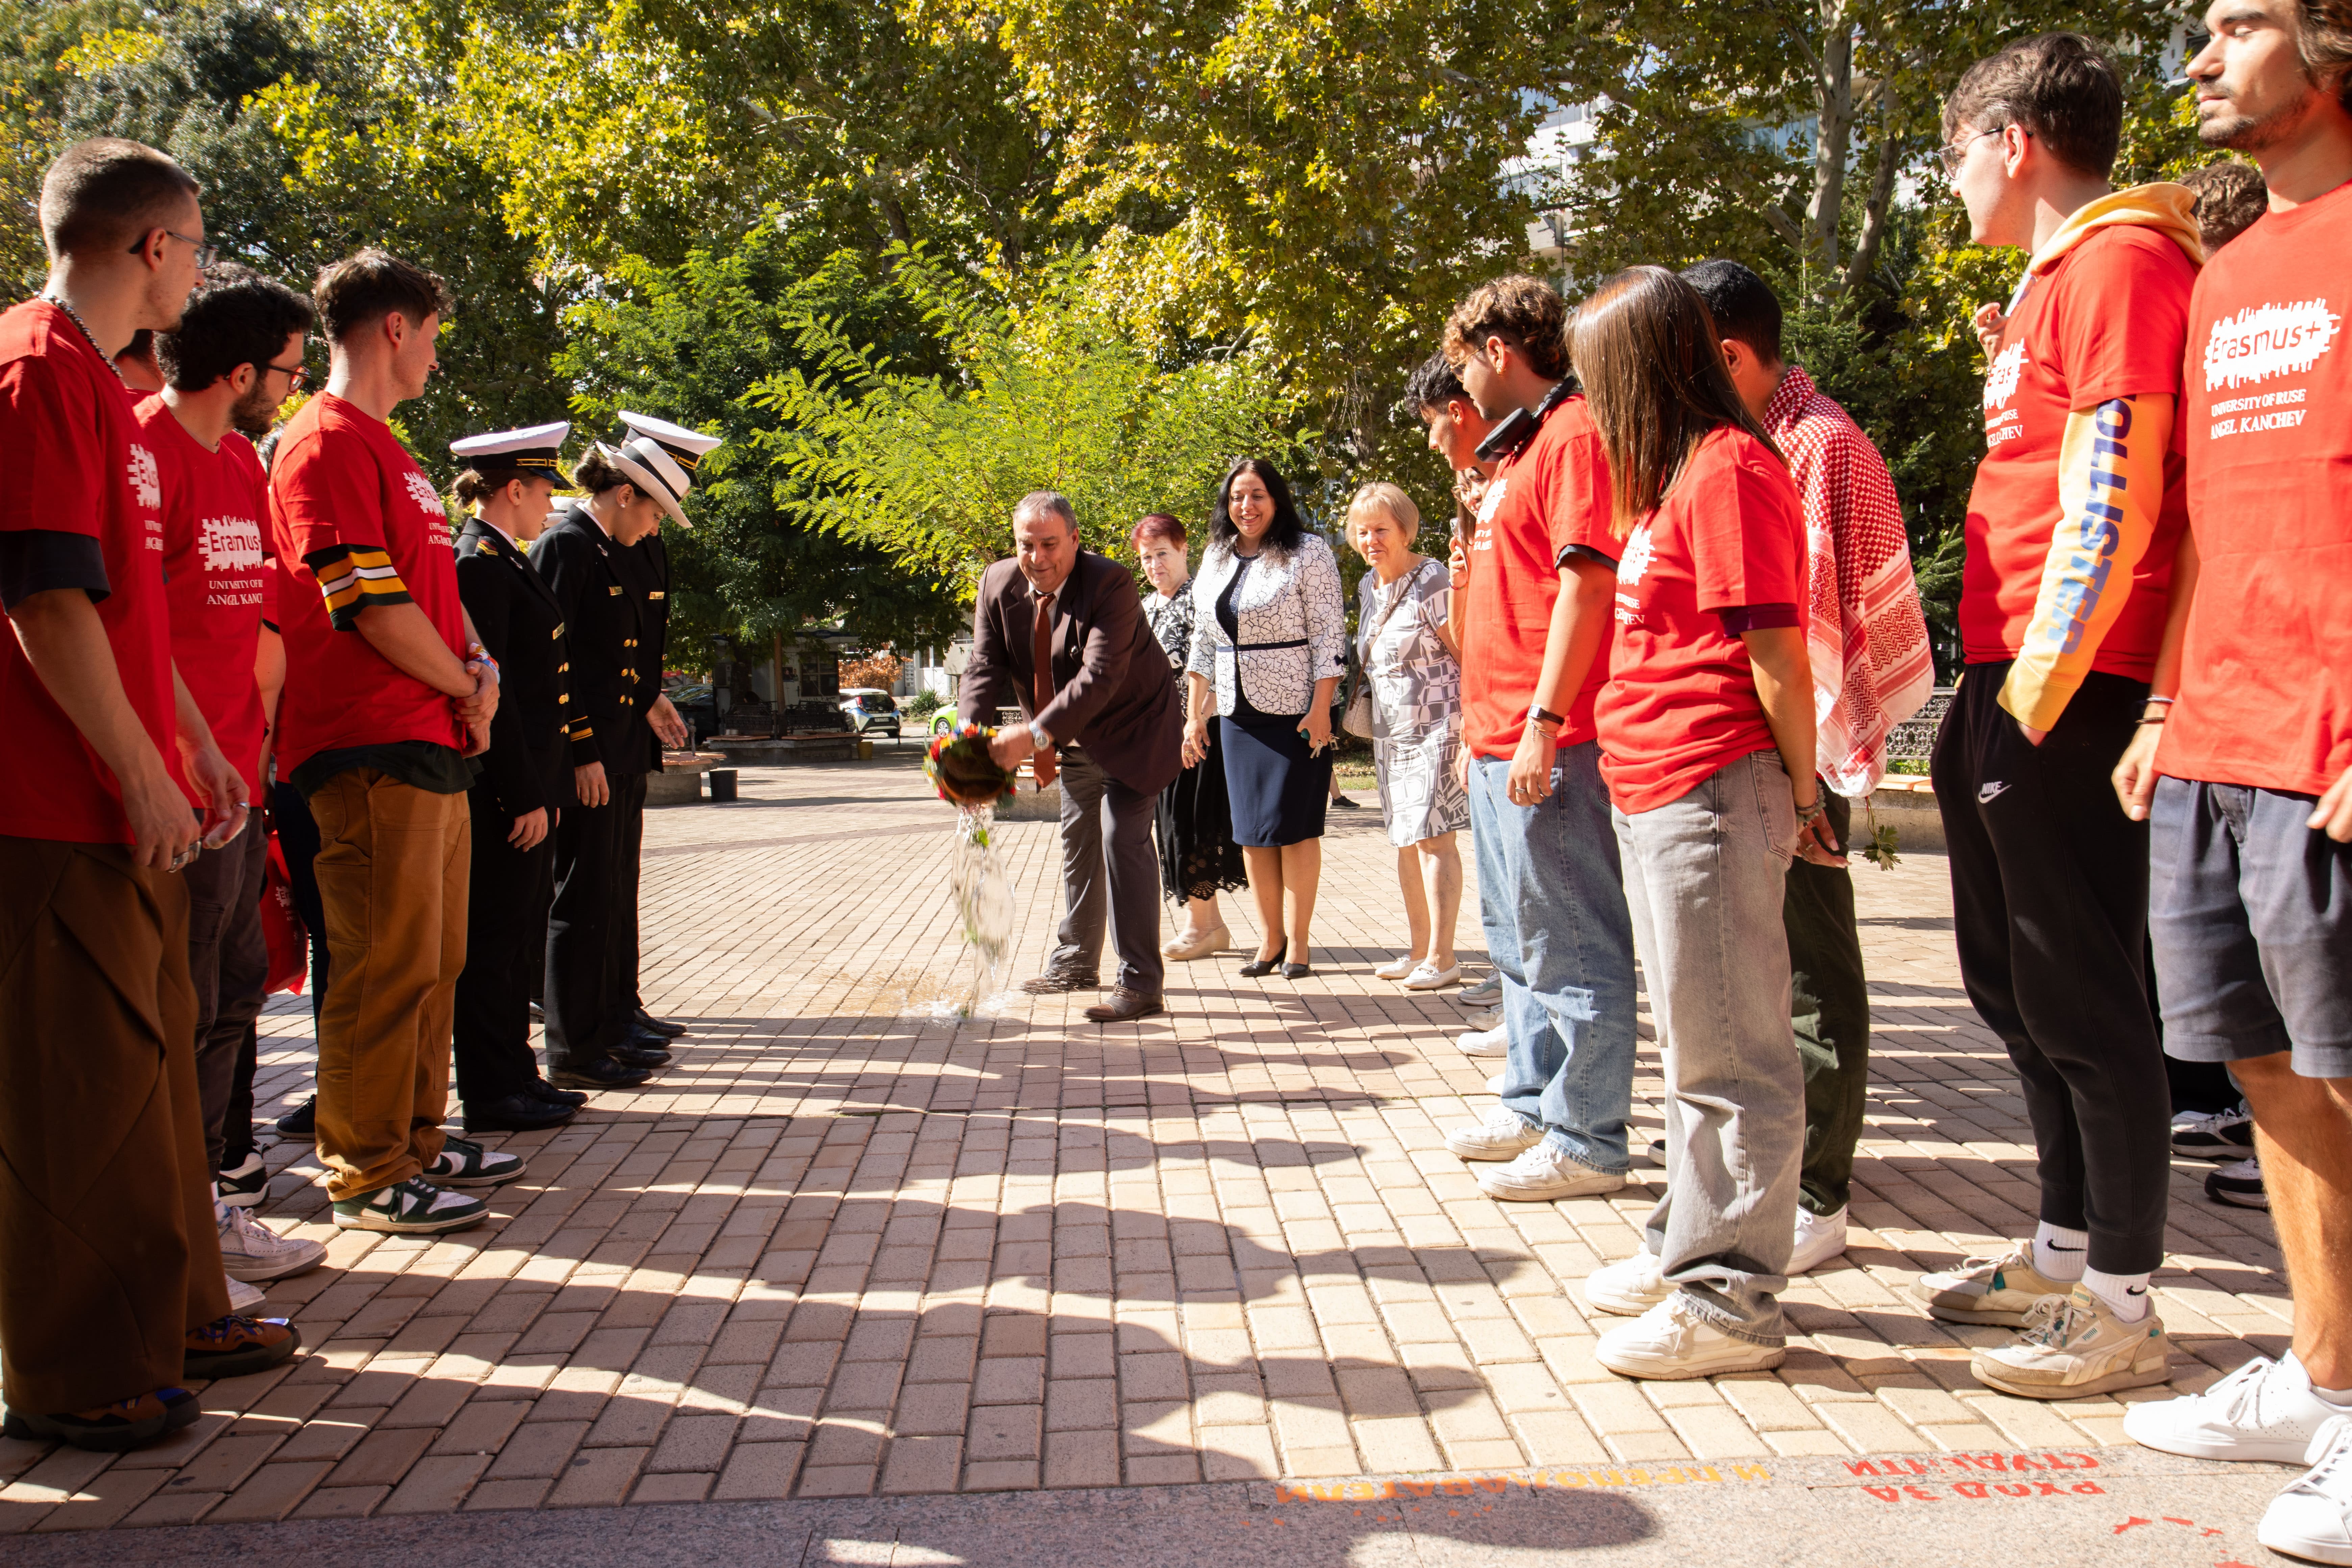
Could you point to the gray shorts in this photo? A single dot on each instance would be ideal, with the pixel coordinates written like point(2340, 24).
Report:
point(2250, 913)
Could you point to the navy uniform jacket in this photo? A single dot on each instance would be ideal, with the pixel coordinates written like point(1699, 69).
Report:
point(645, 567)
point(529, 766)
point(611, 678)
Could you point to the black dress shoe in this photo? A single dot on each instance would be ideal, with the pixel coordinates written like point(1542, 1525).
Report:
point(540, 1089)
point(1297, 971)
point(641, 1051)
point(598, 1075)
point(667, 1030)
point(302, 1121)
point(1259, 968)
point(519, 1112)
point(642, 1039)
point(1124, 1006)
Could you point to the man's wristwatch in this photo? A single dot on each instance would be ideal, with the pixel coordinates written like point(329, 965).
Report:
point(1541, 716)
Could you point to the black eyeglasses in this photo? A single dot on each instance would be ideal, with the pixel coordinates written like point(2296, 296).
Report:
point(1953, 154)
point(296, 377)
point(205, 254)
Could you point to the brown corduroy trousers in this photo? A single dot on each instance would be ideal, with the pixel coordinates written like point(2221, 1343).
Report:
point(392, 865)
point(108, 1251)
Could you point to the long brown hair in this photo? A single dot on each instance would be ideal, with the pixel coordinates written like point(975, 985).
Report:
point(1653, 369)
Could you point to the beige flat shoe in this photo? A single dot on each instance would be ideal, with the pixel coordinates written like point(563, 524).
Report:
point(1199, 946)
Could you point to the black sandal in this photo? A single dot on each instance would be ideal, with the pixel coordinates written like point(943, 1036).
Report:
point(1259, 968)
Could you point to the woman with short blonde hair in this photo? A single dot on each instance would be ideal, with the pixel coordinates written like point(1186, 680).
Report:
point(1413, 672)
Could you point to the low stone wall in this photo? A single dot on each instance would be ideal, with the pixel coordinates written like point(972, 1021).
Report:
point(760, 749)
point(1907, 804)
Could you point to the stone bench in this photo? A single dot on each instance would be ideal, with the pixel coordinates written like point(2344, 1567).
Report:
point(680, 781)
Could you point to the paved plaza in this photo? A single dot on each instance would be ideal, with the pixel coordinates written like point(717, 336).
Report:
point(849, 1249)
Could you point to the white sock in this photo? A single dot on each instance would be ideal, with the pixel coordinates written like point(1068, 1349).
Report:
point(2126, 1295)
point(2059, 1254)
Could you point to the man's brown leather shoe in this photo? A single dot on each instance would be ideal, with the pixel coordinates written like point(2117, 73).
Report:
point(1124, 1005)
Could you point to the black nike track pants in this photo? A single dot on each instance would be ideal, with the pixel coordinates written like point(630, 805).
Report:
point(2050, 910)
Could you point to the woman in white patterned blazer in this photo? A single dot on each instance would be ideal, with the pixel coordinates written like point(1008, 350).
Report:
point(1269, 644)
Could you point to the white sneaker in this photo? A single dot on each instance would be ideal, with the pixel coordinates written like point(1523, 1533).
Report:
point(1494, 1042)
point(2264, 1410)
point(2073, 1345)
point(1819, 1237)
point(1629, 1286)
point(1504, 1135)
point(2001, 1290)
point(1495, 1084)
point(1427, 976)
point(1542, 1173)
point(242, 1295)
point(2313, 1518)
point(251, 1250)
point(1671, 1342)
point(1486, 993)
point(1485, 1019)
point(1397, 968)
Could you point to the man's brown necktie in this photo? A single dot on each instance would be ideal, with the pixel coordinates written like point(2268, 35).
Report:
point(1041, 684)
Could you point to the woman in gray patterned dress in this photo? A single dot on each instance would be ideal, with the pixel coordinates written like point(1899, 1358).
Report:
point(1412, 664)
point(1198, 856)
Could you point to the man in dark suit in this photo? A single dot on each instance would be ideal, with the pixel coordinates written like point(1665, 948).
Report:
point(1061, 631)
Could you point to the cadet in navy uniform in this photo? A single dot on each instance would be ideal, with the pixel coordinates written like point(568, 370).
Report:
point(591, 1039)
point(520, 796)
point(645, 567)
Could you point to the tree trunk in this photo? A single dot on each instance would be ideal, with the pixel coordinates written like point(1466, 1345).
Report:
point(1832, 134)
point(1882, 193)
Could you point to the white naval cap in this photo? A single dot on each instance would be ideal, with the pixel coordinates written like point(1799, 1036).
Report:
point(660, 458)
point(535, 449)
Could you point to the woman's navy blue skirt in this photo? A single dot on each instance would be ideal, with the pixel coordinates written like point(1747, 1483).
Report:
point(1276, 788)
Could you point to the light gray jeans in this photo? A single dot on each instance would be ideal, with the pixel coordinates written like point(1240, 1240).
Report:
point(1704, 880)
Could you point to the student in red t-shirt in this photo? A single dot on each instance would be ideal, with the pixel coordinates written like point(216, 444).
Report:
point(113, 1287)
point(2072, 526)
point(2246, 743)
point(1706, 742)
point(1456, 427)
point(387, 693)
point(233, 359)
point(1534, 641)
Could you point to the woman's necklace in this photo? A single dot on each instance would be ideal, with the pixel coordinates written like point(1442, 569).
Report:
point(83, 327)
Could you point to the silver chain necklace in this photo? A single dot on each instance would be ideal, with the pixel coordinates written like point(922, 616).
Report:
point(87, 336)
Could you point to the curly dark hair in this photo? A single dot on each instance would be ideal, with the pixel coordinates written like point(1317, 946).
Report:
point(1287, 531)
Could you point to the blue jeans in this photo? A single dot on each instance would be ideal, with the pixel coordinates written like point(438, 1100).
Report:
point(1553, 903)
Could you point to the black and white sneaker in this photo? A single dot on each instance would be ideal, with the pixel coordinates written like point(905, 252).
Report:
point(2214, 1134)
point(244, 1185)
point(464, 1164)
point(2240, 1184)
point(409, 1208)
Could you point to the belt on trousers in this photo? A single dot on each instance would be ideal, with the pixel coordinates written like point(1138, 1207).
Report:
point(1254, 646)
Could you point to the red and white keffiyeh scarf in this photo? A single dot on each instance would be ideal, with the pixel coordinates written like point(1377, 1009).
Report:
point(1866, 632)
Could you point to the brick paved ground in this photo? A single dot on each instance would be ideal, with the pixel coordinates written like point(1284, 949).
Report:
point(841, 1248)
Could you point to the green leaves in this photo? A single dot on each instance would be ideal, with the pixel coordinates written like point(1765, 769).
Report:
point(1043, 391)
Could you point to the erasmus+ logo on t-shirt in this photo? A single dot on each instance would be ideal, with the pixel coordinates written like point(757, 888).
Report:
point(230, 544)
point(2263, 341)
point(420, 490)
point(146, 479)
point(2002, 378)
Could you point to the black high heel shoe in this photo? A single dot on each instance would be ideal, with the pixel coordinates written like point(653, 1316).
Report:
point(1259, 968)
point(1297, 971)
